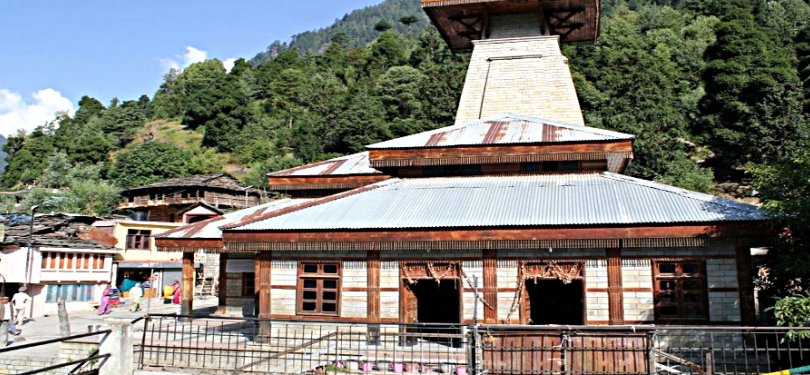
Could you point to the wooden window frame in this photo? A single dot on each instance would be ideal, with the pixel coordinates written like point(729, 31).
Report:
point(138, 239)
point(319, 276)
point(248, 276)
point(680, 303)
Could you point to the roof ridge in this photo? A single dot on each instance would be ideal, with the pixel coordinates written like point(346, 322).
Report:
point(694, 195)
point(312, 203)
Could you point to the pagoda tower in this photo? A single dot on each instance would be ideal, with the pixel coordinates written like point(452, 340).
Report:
point(516, 64)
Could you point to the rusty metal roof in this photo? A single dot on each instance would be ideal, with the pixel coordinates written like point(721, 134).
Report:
point(532, 201)
point(209, 229)
point(503, 130)
point(354, 164)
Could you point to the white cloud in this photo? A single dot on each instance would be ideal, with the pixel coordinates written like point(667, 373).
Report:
point(17, 113)
point(179, 62)
point(228, 64)
point(191, 56)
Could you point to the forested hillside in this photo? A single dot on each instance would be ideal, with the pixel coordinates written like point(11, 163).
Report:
point(355, 29)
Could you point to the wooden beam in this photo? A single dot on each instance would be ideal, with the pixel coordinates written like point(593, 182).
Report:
point(186, 302)
point(499, 153)
point(570, 233)
point(490, 286)
point(745, 279)
point(614, 279)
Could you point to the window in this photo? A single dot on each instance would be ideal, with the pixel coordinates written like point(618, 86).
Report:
point(71, 261)
point(248, 284)
point(71, 292)
point(318, 288)
point(680, 291)
point(138, 239)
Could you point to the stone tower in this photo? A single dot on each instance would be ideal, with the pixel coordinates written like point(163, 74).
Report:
point(516, 64)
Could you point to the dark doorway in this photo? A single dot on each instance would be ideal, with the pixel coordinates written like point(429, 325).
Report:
point(437, 302)
point(554, 302)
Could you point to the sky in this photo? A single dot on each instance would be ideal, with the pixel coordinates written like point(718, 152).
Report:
point(54, 52)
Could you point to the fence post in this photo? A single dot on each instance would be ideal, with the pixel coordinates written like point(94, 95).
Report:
point(118, 344)
point(651, 353)
point(564, 341)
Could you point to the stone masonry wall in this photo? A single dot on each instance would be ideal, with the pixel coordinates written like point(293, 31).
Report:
point(527, 76)
point(723, 305)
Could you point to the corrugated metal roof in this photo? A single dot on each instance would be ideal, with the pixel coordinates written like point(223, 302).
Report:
point(503, 130)
point(345, 165)
point(544, 200)
point(210, 228)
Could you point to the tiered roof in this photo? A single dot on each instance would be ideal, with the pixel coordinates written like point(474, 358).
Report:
point(508, 138)
point(344, 172)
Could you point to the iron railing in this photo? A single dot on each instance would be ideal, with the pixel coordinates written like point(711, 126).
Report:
point(250, 345)
point(292, 347)
point(87, 365)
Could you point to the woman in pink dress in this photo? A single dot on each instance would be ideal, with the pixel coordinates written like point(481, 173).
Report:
point(104, 307)
point(176, 292)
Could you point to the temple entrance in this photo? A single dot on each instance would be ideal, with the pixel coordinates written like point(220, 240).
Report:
point(437, 301)
point(552, 301)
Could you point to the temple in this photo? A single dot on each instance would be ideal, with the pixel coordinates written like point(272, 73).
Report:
point(516, 207)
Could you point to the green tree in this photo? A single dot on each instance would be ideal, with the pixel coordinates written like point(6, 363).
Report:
point(386, 52)
point(28, 159)
point(408, 20)
point(147, 163)
point(382, 26)
point(751, 110)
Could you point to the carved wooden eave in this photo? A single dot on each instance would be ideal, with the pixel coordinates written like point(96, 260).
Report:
point(596, 237)
point(189, 245)
point(462, 21)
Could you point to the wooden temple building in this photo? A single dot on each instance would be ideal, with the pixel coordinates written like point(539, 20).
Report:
point(519, 201)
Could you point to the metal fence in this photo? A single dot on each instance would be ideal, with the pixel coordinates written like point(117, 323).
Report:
point(247, 345)
point(292, 347)
point(90, 364)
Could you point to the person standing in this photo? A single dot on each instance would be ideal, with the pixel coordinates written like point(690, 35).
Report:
point(104, 307)
point(20, 301)
point(135, 294)
point(8, 320)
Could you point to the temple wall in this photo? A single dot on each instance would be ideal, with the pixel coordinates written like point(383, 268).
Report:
point(638, 301)
point(637, 282)
point(723, 305)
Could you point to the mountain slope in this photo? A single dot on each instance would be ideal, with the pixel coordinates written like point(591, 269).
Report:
point(358, 27)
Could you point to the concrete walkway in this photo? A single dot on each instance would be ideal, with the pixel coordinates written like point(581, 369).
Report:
point(44, 328)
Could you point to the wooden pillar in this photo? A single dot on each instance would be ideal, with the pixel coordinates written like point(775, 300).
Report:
point(263, 260)
point(188, 284)
point(489, 290)
point(614, 279)
point(745, 279)
point(373, 295)
point(223, 284)
point(373, 274)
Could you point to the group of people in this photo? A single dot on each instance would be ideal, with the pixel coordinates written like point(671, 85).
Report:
point(13, 314)
point(135, 295)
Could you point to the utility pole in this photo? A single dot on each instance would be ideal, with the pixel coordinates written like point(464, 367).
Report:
point(30, 244)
